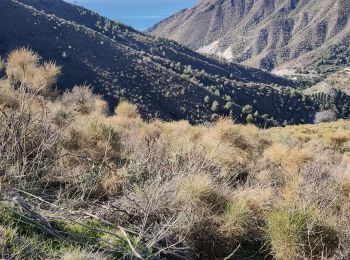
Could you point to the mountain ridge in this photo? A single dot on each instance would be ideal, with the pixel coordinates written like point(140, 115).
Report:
point(164, 79)
point(265, 34)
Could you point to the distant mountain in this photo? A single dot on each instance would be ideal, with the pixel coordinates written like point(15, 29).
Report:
point(261, 33)
point(165, 79)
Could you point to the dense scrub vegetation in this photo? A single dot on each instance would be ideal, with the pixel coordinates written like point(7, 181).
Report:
point(77, 183)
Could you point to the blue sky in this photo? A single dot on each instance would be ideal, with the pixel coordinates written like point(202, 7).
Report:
point(140, 14)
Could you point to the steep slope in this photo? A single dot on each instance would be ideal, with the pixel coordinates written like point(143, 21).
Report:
point(261, 33)
point(163, 78)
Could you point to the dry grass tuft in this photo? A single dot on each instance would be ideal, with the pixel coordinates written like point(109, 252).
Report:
point(299, 233)
point(290, 160)
point(127, 110)
point(21, 62)
point(201, 191)
point(79, 254)
point(8, 97)
point(80, 99)
point(23, 67)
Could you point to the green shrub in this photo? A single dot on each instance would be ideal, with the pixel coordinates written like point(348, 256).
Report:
point(298, 233)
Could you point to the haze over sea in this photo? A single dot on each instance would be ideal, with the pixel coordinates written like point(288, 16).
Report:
point(141, 14)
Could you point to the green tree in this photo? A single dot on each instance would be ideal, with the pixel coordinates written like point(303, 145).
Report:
point(107, 26)
point(247, 109)
point(250, 119)
point(2, 64)
point(228, 106)
point(215, 106)
point(188, 70)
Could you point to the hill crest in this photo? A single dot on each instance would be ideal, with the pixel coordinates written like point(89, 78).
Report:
point(265, 34)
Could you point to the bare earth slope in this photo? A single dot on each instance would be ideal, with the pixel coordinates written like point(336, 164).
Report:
point(261, 33)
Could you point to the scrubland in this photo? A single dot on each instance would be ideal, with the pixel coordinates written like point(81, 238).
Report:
point(79, 182)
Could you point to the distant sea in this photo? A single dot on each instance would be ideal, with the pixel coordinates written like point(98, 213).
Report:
point(141, 14)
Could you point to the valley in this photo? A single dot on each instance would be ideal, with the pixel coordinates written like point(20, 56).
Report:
point(222, 132)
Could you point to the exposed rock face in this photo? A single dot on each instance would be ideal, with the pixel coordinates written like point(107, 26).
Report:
point(261, 33)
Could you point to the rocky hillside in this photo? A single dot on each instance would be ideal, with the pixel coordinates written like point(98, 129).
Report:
point(163, 78)
point(265, 34)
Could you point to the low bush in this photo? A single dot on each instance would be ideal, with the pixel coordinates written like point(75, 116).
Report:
point(300, 233)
